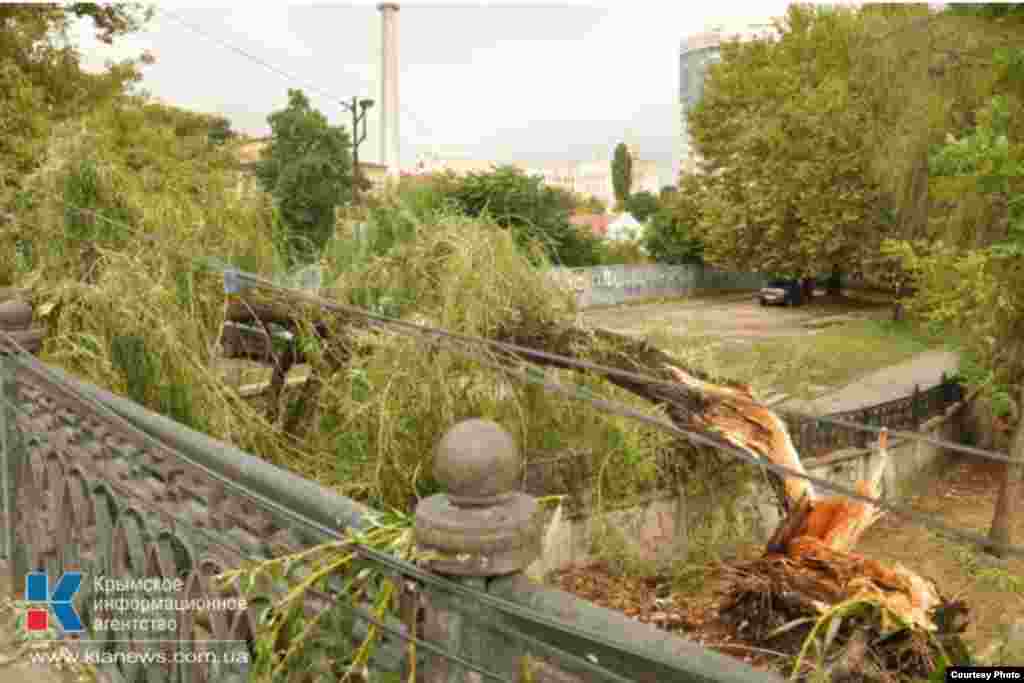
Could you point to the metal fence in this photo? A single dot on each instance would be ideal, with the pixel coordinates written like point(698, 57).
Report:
point(575, 474)
point(814, 438)
point(94, 483)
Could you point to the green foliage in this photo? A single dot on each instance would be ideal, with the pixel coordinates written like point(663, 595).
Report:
point(595, 205)
point(671, 236)
point(780, 127)
point(107, 231)
point(290, 646)
point(623, 252)
point(987, 10)
point(83, 189)
point(41, 81)
point(969, 278)
point(622, 172)
point(307, 168)
point(533, 212)
point(642, 205)
point(220, 131)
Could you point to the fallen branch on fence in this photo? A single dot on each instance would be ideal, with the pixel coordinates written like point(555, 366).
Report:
point(809, 566)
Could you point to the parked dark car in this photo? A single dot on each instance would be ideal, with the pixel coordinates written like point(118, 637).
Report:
point(784, 292)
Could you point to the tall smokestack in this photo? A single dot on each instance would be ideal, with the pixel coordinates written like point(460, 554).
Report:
point(389, 151)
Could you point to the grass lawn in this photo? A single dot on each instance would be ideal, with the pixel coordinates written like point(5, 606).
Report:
point(806, 365)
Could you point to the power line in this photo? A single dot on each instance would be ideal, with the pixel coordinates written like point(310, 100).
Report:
point(34, 365)
point(620, 409)
point(579, 364)
point(575, 363)
point(342, 102)
point(627, 411)
point(234, 550)
point(623, 410)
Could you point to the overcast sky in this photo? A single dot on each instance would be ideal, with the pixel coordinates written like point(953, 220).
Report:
point(502, 82)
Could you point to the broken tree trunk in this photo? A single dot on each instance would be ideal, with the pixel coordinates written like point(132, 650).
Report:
point(1009, 481)
point(809, 564)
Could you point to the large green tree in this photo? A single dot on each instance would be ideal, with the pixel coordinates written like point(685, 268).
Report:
point(307, 167)
point(966, 257)
point(965, 188)
point(622, 172)
point(41, 79)
point(787, 186)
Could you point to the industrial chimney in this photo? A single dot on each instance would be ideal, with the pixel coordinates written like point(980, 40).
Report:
point(389, 152)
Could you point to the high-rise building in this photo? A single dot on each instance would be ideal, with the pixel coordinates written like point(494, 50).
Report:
point(696, 54)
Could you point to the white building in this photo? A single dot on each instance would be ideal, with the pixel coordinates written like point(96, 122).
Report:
point(588, 178)
point(624, 228)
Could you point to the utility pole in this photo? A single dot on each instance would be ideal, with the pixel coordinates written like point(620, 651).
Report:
point(358, 109)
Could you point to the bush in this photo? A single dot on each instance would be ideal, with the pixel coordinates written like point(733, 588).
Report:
point(623, 253)
point(533, 212)
point(670, 237)
point(642, 205)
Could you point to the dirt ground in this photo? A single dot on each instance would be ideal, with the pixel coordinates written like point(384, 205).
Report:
point(733, 316)
point(834, 354)
point(964, 498)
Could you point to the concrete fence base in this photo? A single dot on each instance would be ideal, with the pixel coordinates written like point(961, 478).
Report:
point(659, 529)
point(612, 285)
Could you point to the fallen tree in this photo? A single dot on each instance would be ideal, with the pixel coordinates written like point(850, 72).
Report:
point(464, 276)
point(899, 622)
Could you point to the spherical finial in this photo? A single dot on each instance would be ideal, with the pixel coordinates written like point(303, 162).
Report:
point(15, 315)
point(477, 463)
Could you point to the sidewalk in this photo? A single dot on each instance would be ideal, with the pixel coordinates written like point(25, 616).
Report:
point(924, 370)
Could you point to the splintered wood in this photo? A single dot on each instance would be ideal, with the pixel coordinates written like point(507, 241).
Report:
point(809, 566)
point(820, 532)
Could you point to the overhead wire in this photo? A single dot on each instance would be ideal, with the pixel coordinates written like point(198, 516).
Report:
point(577, 363)
point(617, 408)
point(300, 296)
point(406, 326)
point(177, 18)
point(516, 349)
point(181, 21)
point(697, 438)
point(583, 364)
point(34, 365)
point(179, 522)
point(693, 437)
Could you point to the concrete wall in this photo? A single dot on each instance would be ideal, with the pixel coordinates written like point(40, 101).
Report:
point(659, 529)
point(612, 285)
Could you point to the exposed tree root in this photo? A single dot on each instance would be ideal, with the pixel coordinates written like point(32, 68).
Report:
point(809, 566)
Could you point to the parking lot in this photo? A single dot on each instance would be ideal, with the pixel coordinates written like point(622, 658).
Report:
point(733, 316)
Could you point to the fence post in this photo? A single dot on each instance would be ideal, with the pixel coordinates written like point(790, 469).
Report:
point(10, 453)
point(480, 527)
